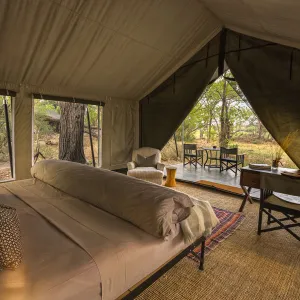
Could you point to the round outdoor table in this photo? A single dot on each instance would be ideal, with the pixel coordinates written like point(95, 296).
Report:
point(171, 173)
point(212, 154)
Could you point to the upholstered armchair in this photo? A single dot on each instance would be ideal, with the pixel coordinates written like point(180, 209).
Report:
point(146, 165)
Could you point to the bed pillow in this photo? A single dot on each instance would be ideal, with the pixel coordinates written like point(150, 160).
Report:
point(10, 238)
point(149, 161)
point(146, 205)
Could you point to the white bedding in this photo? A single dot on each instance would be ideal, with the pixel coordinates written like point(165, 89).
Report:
point(98, 248)
point(53, 266)
point(119, 249)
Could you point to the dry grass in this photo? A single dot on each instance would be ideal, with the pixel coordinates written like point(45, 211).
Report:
point(49, 147)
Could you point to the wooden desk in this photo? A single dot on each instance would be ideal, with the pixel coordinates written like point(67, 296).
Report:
point(251, 179)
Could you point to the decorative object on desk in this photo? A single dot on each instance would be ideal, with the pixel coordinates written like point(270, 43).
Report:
point(292, 174)
point(265, 167)
point(275, 164)
point(283, 147)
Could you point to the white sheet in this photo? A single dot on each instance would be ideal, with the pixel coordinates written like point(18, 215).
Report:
point(53, 266)
point(119, 248)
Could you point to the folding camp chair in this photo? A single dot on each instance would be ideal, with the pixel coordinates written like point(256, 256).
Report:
point(280, 194)
point(231, 160)
point(192, 155)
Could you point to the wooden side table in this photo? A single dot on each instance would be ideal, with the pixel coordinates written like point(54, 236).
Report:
point(171, 174)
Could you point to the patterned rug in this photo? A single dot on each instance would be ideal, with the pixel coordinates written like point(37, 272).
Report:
point(229, 222)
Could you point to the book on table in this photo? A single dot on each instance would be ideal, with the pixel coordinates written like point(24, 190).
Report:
point(265, 167)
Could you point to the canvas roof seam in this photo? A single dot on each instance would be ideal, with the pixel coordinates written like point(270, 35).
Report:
point(211, 12)
point(111, 29)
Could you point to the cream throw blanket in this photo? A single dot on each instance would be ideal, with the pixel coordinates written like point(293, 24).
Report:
point(197, 224)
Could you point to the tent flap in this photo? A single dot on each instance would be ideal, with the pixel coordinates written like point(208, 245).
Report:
point(166, 107)
point(269, 76)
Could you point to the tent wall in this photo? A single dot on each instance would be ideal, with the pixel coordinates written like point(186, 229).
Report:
point(165, 108)
point(119, 129)
point(22, 133)
point(269, 76)
point(120, 132)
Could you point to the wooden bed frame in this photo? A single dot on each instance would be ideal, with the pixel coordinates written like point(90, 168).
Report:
point(151, 278)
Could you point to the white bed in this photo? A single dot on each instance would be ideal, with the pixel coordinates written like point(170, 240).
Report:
point(74, 250)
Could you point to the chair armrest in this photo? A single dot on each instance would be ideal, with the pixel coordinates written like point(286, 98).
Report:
point(131, 165)
point(160, 167)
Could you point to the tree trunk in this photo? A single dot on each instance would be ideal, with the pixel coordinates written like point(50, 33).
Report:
point(71, 132)
point(260, 130)
point(209, 128)
point(224, 134)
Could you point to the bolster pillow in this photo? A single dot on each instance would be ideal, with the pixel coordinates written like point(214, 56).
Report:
point(152, 208)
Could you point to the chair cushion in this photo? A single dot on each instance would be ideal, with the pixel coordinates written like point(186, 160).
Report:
point(149, 161)
point(189, 155)
point(141, 172)
point(279, 202)
point(229, 159)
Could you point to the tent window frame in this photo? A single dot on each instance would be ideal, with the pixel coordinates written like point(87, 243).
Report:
point(100, 112)
point(11, 136)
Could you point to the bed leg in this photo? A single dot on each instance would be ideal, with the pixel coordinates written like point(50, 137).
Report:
point(201, 266)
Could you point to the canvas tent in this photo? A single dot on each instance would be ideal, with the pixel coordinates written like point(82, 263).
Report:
point(157, 53)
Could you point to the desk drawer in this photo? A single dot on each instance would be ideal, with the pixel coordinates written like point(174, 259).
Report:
point(251, 179)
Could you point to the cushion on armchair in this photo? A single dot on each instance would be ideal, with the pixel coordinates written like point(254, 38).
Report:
point(143, 161)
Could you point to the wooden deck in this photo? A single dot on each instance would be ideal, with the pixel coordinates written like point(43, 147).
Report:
point(225, 181)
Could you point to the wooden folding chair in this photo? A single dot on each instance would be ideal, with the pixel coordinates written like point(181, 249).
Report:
point(231, 160)
point(190, 155)
point(280, 194)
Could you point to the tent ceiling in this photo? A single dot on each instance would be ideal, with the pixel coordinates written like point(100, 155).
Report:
point(124, 49)
point(273, 20)
point(104, 48)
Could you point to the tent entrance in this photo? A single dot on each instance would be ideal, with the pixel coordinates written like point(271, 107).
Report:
point(222, 116)
point(267, 73)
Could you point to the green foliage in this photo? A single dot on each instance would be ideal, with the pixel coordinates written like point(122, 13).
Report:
point(93, 111)
point(42, 108)
point(204, 121)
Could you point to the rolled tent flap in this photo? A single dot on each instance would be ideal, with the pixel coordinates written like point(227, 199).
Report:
point(165, 108)
point(269, 76)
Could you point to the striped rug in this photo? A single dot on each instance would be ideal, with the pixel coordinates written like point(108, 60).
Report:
point(229, 222)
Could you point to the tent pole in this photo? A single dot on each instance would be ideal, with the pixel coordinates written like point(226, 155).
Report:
point(182, 140)
point(176, 145)
point(8, 137)
point(98, 121)
point(222, 49)
point(90, 134)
